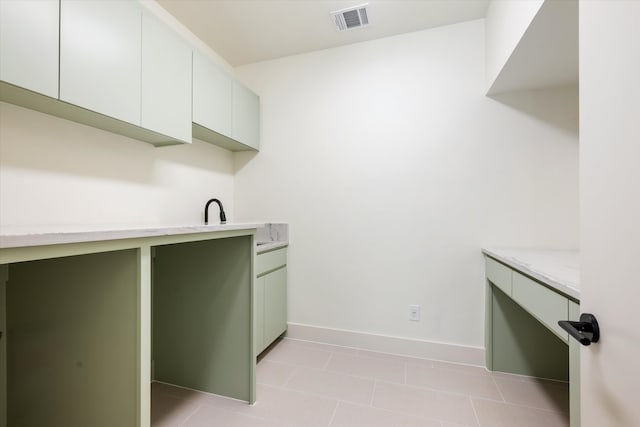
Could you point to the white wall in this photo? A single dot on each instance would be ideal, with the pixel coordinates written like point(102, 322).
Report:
point(56, 175)
point(393, 169)
point(506, 22)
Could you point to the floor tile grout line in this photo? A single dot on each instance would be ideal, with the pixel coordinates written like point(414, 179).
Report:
point(361, 376)
point(316, 395)
point(519, 405)
point(326, 365)
point(290, 376)
point(475, 413)
point(389, 361)
point(499, 391)
point(525, 379)
point(195, 410)
point(334, 372)
point(397, 412)
point(437, 390)
point(406, 368)
point(373, 393)
point(361, 352)
point(335, 410)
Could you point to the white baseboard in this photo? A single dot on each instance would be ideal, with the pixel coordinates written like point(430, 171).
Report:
point(387, 344)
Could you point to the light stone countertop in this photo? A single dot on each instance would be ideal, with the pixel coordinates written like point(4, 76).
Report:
point(92, 234)
point(557, 269)
point(268, 236)
point(272, 236)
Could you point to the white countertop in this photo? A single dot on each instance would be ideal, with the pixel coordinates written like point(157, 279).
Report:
point(557, 269)
point(93, 235)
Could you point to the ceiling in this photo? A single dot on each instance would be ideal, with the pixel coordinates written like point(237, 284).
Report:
point(246, 31)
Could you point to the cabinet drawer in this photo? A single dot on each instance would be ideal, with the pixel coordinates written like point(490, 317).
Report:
point(544, 304)
point(498, 274)
point(269, 261)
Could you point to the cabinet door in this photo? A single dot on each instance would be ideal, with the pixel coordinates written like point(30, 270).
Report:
point(100, 56)
point(258, 315)
point(246, 116)
point(212, 95)
point(275, 305)
point(166, 80)
point(29, 44)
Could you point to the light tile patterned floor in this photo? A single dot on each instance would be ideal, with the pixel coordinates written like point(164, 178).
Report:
point(302, 384)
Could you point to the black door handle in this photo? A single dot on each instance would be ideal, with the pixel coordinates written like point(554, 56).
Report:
point(586, 330)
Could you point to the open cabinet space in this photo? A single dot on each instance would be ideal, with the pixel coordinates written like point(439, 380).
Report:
point(71, 341)
point(201, 323)
point(76, 322)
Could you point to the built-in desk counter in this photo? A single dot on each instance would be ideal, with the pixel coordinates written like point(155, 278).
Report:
point(527, 293)
point(78, 320)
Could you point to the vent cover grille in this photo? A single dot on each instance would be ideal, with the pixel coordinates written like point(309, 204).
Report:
point(353, 17)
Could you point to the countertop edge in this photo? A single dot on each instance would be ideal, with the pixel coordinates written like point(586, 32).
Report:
point(267, 247)
point(547, 279)
point(12, 241)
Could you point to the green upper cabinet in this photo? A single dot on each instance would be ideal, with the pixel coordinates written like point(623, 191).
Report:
point(100, 51)
point(212, 96)
point(116, 66)
point(166, 80)
point(225, 113)
point(246, 116)
point(29, 44)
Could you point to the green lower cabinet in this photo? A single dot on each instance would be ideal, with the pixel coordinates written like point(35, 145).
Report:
point(258, 310)
point(275, 304)
point(522, 335)
point(270, 293)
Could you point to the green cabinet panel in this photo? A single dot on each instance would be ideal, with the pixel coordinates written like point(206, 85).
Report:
point(269, 261)
point(29, 34)
point(544, 304)
point(101, 63)
point(71, 336)
point(212, 95)
point(166, 80)
point(498, 274)
point(270, 303)
point(521, 345)
point(4, 275)
point(202, 311)
point(275, 305)
point(246, 116)
point(258, 317)
point(522, 335)
point(100, 51)
point(225, 112)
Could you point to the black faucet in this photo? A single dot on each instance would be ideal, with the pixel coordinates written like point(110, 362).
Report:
point(223, 217)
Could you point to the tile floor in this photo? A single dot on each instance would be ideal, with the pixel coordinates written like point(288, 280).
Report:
point(303, 384)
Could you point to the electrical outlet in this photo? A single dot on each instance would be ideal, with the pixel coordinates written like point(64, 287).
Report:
point(414, 313)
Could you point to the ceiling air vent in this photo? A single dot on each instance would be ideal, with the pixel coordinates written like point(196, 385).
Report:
point(353, 17)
